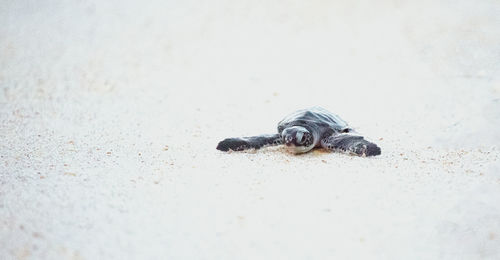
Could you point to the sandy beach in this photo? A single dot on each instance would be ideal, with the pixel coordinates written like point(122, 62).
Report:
point(110, 112)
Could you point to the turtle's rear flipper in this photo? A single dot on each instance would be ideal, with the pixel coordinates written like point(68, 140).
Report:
point(244, 143)
point(351, 144)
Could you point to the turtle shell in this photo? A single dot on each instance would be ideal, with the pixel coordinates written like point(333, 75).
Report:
point(315, 119)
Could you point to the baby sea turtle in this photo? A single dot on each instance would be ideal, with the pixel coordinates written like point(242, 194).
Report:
point(305, 129)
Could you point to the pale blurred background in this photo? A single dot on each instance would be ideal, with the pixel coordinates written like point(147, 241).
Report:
point(110, 112)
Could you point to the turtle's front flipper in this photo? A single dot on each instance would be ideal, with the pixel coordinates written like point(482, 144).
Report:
point(350, 143)
point(244, 143)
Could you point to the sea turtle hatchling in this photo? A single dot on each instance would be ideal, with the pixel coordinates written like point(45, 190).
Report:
point(304, 130)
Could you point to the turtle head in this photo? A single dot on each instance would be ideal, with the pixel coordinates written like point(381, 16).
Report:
point(297, 139)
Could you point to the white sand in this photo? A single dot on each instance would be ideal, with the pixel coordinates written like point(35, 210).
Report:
point(110, 114)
